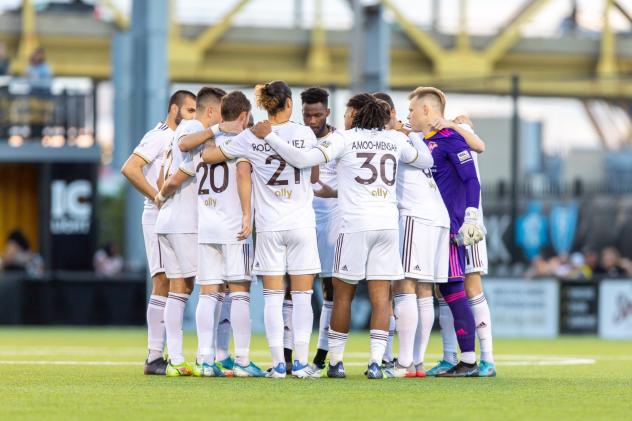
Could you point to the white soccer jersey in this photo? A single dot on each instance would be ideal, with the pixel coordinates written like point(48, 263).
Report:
point(367, 173)
point(151, 149)
point(282, 194)
point(417, 193)
point(325, 208)
point(178, 215)
point(219, 208)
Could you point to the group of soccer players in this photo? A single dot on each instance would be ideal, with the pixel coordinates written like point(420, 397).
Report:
point(396, 205)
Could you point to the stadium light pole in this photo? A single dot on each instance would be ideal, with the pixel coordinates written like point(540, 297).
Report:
point(515, 144)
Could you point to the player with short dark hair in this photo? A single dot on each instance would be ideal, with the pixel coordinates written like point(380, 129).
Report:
point(142, 170)
point(315, 113)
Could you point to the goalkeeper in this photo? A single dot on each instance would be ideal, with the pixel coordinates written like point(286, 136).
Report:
point(455, 175)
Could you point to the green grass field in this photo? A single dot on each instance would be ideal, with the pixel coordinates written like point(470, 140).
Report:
point(75, 373)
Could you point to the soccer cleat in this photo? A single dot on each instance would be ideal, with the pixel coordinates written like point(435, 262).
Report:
point(156, 367)
point(486, 369)
point(207, 370)
point(277, 372)
point(441, 367)
point(183, 369)
point(304, 371)
point(336, 371)
point(461, 370)
point(374, 371)
point(400, 372)
point(250, 370)
point(227, 365)
point(419, 370)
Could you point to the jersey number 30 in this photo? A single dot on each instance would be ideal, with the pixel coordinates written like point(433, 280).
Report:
point(368, 164)
point(209, 169)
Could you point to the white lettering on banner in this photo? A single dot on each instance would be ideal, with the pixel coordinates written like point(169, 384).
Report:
point(615, 309)
point(71, 210)
point(496, 228)
point(523, 309)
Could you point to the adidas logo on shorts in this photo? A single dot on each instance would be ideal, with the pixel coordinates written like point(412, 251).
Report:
point(417, 267)
point(344, 267)
point(257, 264)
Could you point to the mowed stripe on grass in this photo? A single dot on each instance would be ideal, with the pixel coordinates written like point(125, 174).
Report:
point(96, 373)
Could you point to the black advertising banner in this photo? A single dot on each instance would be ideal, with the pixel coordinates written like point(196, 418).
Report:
point(579, 303)
point(70, 219)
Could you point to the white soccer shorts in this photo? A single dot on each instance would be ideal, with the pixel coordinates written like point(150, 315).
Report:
point(424, 249)
point(219, 263)
point(179, 254)
point(152, 249)
point(293, 251)
point(370, 255)
point(327, 231)
point(476, 258)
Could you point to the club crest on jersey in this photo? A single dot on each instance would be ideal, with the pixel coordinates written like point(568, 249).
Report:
point(464, 156)
point(432, 145)
point(379, 192)
point(283, 193)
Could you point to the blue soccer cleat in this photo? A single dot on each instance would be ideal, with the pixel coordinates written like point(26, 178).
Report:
point(207, 370)
point(250, 370)
point(304, 371)
point(374, 371)
point(440, 368)
point(276, 372)
point(486, 369)
point(336, 371)
point(227, 363)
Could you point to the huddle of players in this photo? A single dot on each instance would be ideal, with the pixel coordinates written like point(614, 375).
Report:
point(393, 209)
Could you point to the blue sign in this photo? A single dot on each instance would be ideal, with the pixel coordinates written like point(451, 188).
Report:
point(531, 230)
point(563, 221)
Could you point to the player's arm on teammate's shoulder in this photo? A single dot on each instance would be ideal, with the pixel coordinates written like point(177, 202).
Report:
point(191, 141)
point(244, 190)
point(315, 174)
point(465, 127)
point(133, 171)
point(416, 154)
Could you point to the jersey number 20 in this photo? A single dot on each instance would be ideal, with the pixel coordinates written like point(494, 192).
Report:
point(210, 170)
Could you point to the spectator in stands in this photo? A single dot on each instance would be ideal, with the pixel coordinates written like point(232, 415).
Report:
point(611, 264)
point(39, 73)
point(18, 256)
point(108, 261)
point(4, 60)
point(539, 268)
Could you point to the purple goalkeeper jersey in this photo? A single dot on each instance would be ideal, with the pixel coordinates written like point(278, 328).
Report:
point(455, 174)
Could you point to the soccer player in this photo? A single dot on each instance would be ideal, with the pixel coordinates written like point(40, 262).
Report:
point(284, 218)
point(367, 247)
point(142, 169)
point(315, 113)
point(224, 227)
point(177, 227)
point(475, 266)
point(455, 175)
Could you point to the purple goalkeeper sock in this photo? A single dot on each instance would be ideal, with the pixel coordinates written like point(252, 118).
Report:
point(464, 326)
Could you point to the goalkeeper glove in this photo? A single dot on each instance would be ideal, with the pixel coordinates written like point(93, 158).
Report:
point(472, 231)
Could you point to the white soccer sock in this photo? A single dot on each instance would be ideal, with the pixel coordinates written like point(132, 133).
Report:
point(273, 321)
point(204, 324)
point(323, 328)
point(240, 322)
point(288, 339)
point(448, 336)
point(336, 344)
point(156, 326)
point(388, 353)
point(425, 307)
point(468, 357)
point(483, 320)
point(222, 341)
point(174, 313)
point(302, 323)
point(378, 345)
point(406, 316)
